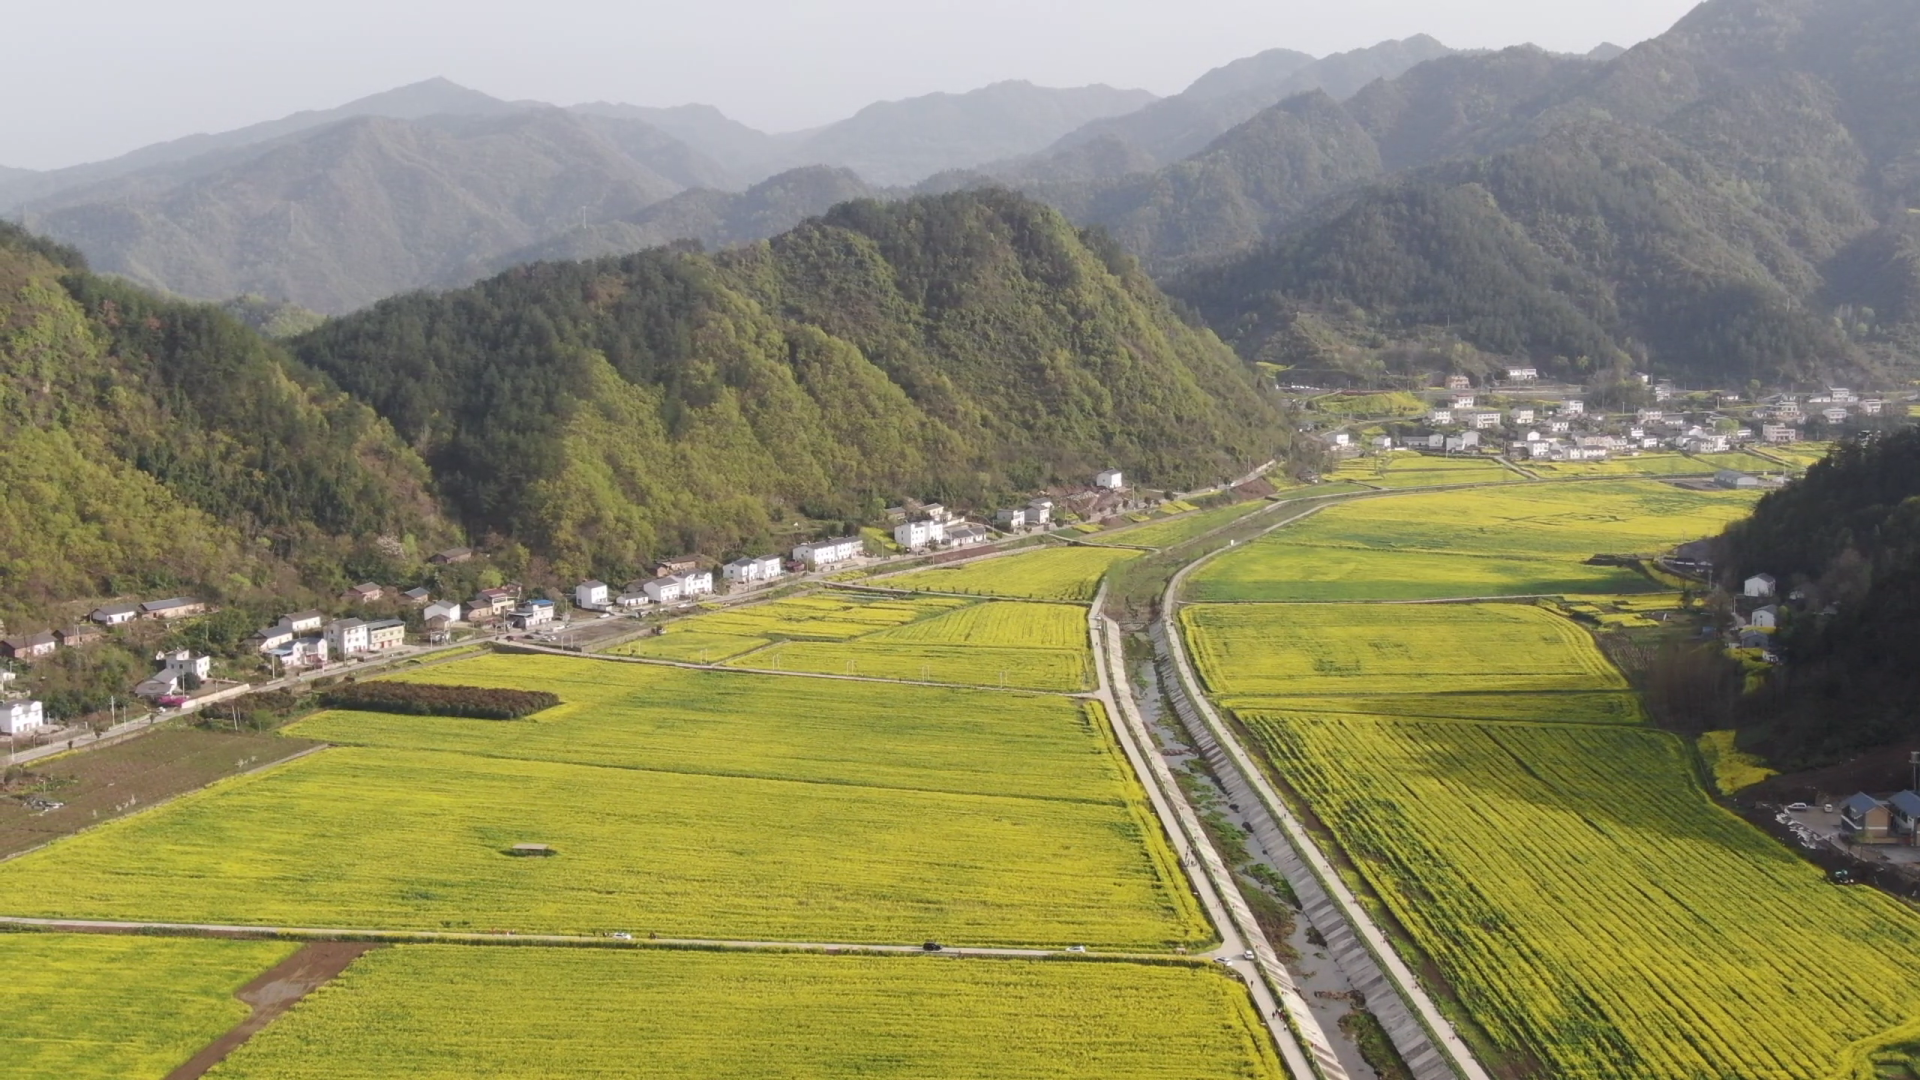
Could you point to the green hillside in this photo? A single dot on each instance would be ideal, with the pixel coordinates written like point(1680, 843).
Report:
point(155, 446)
point(959, 347)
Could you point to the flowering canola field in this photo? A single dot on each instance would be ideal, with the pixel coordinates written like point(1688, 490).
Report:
point(87, 1007)
point(441, 1013)
point(1029, 646)
point(1593, 909)
point(1052, 573)
point(1517, 541)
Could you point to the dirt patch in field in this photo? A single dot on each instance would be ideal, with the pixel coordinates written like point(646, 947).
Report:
point(56, 796)
point(274, 993)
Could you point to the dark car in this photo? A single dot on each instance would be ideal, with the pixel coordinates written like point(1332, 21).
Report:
point(933, 946)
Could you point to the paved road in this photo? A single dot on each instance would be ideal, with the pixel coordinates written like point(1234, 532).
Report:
point(1424, 1037)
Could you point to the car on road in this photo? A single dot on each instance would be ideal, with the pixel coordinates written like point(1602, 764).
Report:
point(933, 946)
point(1076, 948)
point(621, 935)
point(1798, 807)
point(1248, 955)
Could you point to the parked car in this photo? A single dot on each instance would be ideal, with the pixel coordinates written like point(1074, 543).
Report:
point(933, 946)
point(172, 701)
point(1798, 807)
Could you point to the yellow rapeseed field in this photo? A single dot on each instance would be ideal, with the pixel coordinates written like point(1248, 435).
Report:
point(1165, 534)
point(440, 1013)
point(640, 716)
point(1408, 469)
point(1503, 541)
point(100, 1007)
point(403, 839)
point(837, 615)
point(1594, 910)
point(1053, 573)
point(1309, 649)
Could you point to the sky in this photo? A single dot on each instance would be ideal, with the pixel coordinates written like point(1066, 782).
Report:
point(90, 79)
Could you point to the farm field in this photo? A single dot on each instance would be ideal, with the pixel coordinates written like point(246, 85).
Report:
point(98, 785)
point(639, 716)
point(533, 1013)
point(838, 615)
point(1596, 913)
point(1575, 707)
point(1165, 534)
point(998, 643)
point(1802, 455)
point(1251, 650)
point(1053, 573)
point(1383, 404)
point(404, 839)
point(1495, 542)
point(98, 1007)
point(1404, 469)
point(1743, 462)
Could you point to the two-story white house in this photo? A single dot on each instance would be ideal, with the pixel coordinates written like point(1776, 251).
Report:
point(592, 595)
point(828, 552)
point(1110, 479)
point(347, 637)
point(22, 717)
point(385, 635)
point(755, 570)
point(916, 535)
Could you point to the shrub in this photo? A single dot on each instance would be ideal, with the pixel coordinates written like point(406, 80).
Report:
point(428, 699)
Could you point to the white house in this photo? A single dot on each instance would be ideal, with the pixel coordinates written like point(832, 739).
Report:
point(1485, 420)
point(347, 637)
point(1522, 374)
point(967, 534)
point(1766, 618)
point(184, 663)
point(305, 652)
point(915, 535)
point(1835, 415)
point(1523, 416)
point(444, 612)
point(593, 595)
point(1440, 416)
point(1458, 382)
point(828, 552)
point(1573, 407)
point(21, 717)
point(533, 613)
point(115, 615)
point(1762, 585)
point(1339, 438)
point(304, 622)
point(1040, 512)
point(273, 637)
point(666, 590)
point(1560, 427)
point(385, 635)
point(1383, 442)
point(697, 583)
point(1778, 433)
point(758, 568)
point(1109, 479)
point(1464, 401)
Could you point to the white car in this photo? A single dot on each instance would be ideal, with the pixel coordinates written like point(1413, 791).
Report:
point(1798, 807)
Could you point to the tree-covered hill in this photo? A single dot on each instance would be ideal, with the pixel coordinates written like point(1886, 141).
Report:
point(1848, 538)
point(155, 446)
point(960, 347)
point(1732, 200)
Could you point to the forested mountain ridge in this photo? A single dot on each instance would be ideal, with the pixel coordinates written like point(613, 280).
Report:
point(1730, 201)
point(155, 446)
point(962, 347)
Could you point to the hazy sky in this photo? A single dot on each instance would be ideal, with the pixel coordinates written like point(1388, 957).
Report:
point(88, 79)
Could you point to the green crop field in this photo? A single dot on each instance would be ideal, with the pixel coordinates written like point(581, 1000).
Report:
point(1165, 534)
point(639, 716)
point(1054, 573)
point(1495, 542)
point(439, 1013)
point(1802, 455)
point(826, 616)
point(1741, 461)
point(403, 839)
point(87, 1007)
point(1057, 670)
point(1406, 469)
point(1574, 707)
point(1251, 650)
point(1649, 464)
point(1596, 913)
point(1385, 404)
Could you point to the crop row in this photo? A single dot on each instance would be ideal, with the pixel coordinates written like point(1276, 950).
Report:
point(1593, 908)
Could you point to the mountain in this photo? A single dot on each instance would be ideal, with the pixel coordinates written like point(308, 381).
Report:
point(963, 347)
point(1727, 202)
point(432, 97)
point(1848, 538)
point(156, 447)
point(1177, 127)
point(339, 216)
point(742, 151)
point(716, 219)
point(894, 143)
